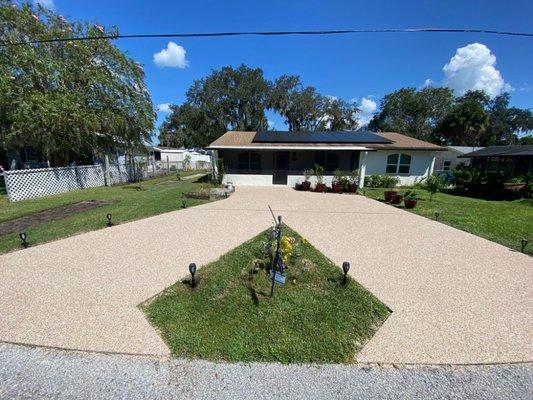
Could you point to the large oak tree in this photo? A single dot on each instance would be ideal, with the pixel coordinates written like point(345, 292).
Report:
point(67, 98)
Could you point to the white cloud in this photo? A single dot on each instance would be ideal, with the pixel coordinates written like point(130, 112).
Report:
point(45, 3)
point(172, 56)
point(164, 107)
point(367, 109)
point(428, 82)
point(473, 68)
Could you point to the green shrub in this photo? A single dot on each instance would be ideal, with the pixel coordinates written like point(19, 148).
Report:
point(173, 168)
point(308, 173)
point(319, 173)
point(470, 181)
point(434, 184)
point(381, 181)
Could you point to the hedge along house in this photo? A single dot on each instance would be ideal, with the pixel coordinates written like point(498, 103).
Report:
point(279, 158)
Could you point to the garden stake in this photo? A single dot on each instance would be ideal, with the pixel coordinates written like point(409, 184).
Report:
point(24, 239)
point(109, 222)
point(345, 269)
point(192, 270)
point(523, 244)
point(278, 262)
point(436, 216)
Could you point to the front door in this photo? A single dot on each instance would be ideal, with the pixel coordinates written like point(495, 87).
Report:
point(281, 167)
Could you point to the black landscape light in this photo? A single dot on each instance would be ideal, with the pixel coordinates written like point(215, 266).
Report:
point(345, 269)
point(192, 270)
point(24, 239)
point(437, 216)
point(109, 219)
point(523, 244)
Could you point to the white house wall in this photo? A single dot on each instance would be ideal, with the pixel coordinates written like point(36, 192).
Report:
point(248, 179)
point(376, 163)
point(421, 164)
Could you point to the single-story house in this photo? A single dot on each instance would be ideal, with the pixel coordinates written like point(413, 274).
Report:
point(514, 160)
point(279, 158)
point(449, 159)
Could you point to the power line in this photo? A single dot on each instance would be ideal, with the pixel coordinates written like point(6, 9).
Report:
point(270, 33)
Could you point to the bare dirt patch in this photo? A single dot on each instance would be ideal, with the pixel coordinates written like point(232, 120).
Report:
point(53, 214)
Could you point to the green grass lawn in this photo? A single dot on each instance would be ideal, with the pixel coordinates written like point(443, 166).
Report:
point(158, 196)
point(230, 315)
point(504, 222)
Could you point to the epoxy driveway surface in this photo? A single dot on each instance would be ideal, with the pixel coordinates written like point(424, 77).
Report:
point(456, 298)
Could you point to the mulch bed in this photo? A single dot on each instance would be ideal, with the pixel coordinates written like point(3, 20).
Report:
point(53, 214)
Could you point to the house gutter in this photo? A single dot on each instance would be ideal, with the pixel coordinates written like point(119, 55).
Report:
point(270, 148)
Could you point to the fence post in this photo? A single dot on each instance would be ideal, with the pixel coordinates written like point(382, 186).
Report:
point(107, 175)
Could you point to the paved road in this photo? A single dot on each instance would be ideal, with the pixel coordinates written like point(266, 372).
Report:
point(456, 298)
point(40, 373)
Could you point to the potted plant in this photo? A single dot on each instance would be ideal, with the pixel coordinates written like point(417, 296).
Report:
point(410, 199)
point(319, 173)
point(336, 184)
point(306, 185)
point(389, 194)
point(396, 198)
point(354, 181)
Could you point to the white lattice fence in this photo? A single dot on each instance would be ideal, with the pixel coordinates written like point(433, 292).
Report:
point(29, 183)
point(118, 173)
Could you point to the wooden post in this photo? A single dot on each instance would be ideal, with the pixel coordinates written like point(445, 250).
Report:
point(362, 169)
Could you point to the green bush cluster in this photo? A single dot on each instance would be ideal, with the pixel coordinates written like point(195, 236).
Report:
point(471, 181)
point(381, 181)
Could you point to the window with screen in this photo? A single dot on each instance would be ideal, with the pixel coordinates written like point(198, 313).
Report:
point(243, 161)
point(255, 161)
point(398, 164)
point(332, 162)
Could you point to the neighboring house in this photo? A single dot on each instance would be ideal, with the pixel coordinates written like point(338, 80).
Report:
point(279, 158)
point(449, 159)
point(513, 160)
point(172, 156)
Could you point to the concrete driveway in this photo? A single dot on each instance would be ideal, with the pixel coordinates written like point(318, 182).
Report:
point(456, 298)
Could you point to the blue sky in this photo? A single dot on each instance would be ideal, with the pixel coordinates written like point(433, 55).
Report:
point(362, 66)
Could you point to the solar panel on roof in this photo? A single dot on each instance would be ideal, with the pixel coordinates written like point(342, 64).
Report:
point(318, 137)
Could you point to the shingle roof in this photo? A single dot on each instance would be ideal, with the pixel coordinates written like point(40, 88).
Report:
point(502, 151)
point(241, 139)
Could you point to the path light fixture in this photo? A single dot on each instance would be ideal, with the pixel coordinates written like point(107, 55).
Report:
point(345, 269)
point(523, 244)
point(437, 216)
point(109, 219)
point(24, 239)
point(192, 270)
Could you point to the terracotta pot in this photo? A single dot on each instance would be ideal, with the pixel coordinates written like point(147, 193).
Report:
point(396, 199)
point(305, 185)
point(389, 194)
point(352, 188)
point(320, 187)
point(410, 203)
point(336, 187)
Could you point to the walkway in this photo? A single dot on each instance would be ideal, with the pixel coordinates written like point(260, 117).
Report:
point(456, 298)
